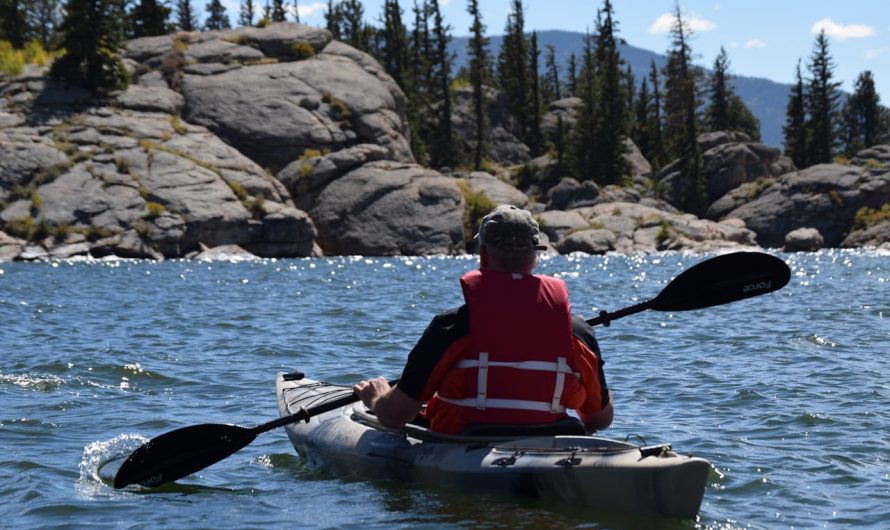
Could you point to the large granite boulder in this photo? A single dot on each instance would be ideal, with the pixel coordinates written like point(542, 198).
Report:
point(390, 208)
point(875, 236)
point(273, 93)
point(139, 184)
point(635, 228)
point(273, 113)
point(825, 197)
point(501, 145)
point(730, 159)
point(803, 239)
point(496, 190)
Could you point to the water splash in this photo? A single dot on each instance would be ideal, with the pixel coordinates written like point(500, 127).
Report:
point(101, 460)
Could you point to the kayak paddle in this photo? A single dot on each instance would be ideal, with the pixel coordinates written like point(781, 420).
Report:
point(181, 452)
point(716, 281)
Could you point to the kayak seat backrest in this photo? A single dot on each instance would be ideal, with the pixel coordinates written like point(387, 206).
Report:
point(563, 427)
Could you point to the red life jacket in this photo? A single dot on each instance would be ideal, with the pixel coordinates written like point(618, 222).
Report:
point(516, 366)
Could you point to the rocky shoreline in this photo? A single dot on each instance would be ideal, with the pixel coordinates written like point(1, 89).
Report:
point(280, 142)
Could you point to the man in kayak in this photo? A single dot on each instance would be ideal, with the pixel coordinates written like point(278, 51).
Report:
point(512, 354)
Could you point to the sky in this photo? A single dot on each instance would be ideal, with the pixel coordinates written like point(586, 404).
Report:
point(762, 38)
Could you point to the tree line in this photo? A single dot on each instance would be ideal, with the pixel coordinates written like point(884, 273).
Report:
point(663, 113)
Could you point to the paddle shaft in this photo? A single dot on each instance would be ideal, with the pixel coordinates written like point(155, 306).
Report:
point(605, 318)
point(305, 414)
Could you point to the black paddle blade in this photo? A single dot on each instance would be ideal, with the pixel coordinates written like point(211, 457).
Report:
point(723, 279)
point(180, 453)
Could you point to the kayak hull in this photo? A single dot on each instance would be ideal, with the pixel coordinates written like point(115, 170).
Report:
point(581, 470)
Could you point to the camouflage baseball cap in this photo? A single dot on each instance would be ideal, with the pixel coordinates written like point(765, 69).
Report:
point(510, 228)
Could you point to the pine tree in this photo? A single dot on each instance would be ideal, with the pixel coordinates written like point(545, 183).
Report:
point(14, 23)
point(862, 116)
point(334, 19)
point(93, 33)
point(217, 17)
point(822, 103)
point(583, 138)
point(420, 52)
point(640, 132)
point(279, 11)
point(717, 113)
point(726, 111)
point(573, 74)
point(552, 91)
point(479, 73)
point(656, 155)
point(535, 140)
point(442, 151)
point(681, 120)
point(150, 18)
point(186, 19)
point(353, 28)
point(611, 166)
point(742, 119)
point(795, 128)
point(44, 17)
point(296, 12)
point(513, 72)
point(393, 50)
point(246, 13)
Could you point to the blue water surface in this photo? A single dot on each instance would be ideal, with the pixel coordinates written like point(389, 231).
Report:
point(788, 395)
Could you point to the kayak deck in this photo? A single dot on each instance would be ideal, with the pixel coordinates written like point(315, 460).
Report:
point(576, 469)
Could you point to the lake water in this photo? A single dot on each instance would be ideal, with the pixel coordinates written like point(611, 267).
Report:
point(788, 395)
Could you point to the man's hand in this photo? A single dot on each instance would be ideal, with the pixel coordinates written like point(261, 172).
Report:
point(371, 390)
point(392, 406)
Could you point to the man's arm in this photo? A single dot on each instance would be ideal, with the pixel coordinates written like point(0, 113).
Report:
point(599, 420)
point(595, 421)
point(391, 406)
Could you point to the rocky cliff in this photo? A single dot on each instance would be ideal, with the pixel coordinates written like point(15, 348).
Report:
point(280, 142)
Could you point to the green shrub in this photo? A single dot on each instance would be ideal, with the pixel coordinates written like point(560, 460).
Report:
point(238, 190)
point(155, 209)
point(873, 164)
point(263, 22)
point(36, 201)
point(20, 228)
point(478, 206)
point(12, 61)
point(302, 50)
point(664, 233)
point(35, 53)
point(836, 198)
point(842, 160)
point(866, 217)
point(123, 165)
point(60, 232)
point(95, 233)
point(178, 125)
point(257, 207)
point(28, 229)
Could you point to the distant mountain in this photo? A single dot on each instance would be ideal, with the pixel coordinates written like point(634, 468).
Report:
point(766, 99)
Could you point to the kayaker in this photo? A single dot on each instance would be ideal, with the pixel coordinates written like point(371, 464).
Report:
point(512, 354)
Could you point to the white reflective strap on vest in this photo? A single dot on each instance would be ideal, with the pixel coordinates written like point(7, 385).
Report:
point(481, 401)
point(482, 380)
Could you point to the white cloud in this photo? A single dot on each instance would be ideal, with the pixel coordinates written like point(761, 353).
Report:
point(842, 31)
point(874, 52)
point(755, 43)
point(307, 10)
point(666, 22)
